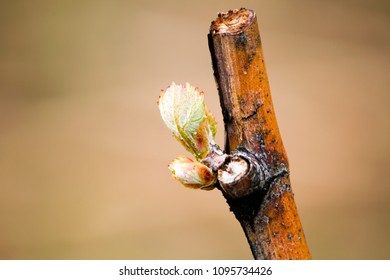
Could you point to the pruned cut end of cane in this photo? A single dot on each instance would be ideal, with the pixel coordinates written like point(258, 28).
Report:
point(232, 22)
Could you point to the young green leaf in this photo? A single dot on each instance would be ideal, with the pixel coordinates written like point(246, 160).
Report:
point(184, 112)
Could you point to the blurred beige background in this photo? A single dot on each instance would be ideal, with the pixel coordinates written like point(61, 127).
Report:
point(84, 152)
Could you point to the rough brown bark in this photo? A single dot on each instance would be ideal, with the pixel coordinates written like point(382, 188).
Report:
point(261, 197)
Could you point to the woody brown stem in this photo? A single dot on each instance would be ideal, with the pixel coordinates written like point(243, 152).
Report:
point(255, 178)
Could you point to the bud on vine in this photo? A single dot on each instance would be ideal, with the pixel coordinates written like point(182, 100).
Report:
point(184, 112)
point(193, 174)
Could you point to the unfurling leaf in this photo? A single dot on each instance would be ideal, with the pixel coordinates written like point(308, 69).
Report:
point(193, 174)
point(183, 110)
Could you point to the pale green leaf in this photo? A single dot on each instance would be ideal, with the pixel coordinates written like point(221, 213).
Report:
point(183, 110)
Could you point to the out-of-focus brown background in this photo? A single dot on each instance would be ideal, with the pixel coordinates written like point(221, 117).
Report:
point(84, 152)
